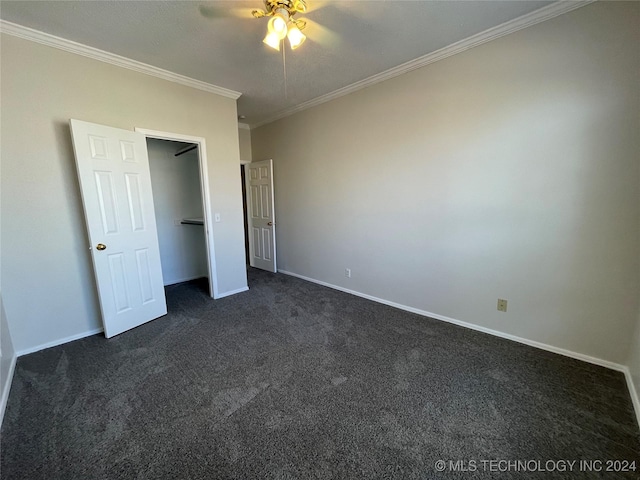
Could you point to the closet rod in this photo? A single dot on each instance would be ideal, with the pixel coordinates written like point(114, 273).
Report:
point(186, 149)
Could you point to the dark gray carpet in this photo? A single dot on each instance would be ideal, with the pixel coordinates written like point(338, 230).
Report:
point(294, 380)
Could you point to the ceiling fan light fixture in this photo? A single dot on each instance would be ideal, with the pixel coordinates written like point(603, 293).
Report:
point(282, 22)
point(296, 37)
point(278, 23)
point(273, 40)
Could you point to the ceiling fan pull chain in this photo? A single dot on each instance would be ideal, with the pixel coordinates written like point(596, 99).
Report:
point(284, 68)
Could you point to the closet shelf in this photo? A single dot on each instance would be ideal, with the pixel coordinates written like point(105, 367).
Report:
point(192, 221)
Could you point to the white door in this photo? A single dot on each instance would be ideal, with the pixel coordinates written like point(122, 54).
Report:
point(113, 169)
point(262, 221)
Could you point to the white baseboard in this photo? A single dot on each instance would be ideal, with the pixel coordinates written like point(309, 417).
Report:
point(497, 333)
point(543, 346)
point(88, 333)
point(182, 280)
point(231, 292)
point(7, 387)
point(59, 341)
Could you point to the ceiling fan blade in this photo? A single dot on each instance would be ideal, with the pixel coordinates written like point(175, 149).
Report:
point(321, 34)
point(212, 12)
point(314, 6)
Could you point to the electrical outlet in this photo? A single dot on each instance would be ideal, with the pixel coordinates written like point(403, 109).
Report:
point(347, 272)
point(502, 305)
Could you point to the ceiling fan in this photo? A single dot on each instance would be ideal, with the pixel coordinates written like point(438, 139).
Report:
point(282, 22)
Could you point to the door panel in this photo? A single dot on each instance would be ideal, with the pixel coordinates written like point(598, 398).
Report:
point(266, 249)
point(106, 200)
point(144, 275)
point(113, 170)
point(262, 232)
point(134, 196)
point(119, 282)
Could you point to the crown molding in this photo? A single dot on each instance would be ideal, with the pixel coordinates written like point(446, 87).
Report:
point(545, 13)
point(69, 46)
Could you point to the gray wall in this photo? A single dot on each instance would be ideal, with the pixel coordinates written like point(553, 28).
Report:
point(507, 171)
point(177, 195)
point(48, 286)
point(244, 136)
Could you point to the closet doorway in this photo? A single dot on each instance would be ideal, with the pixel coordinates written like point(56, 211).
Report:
point(180, 196)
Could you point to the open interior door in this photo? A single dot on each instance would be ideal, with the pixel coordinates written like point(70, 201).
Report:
point(262, 221)
point(113, 169)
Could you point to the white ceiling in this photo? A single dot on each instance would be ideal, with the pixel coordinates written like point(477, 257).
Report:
point(219, 42)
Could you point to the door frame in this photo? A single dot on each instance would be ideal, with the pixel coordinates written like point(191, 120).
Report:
point(206, 196)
